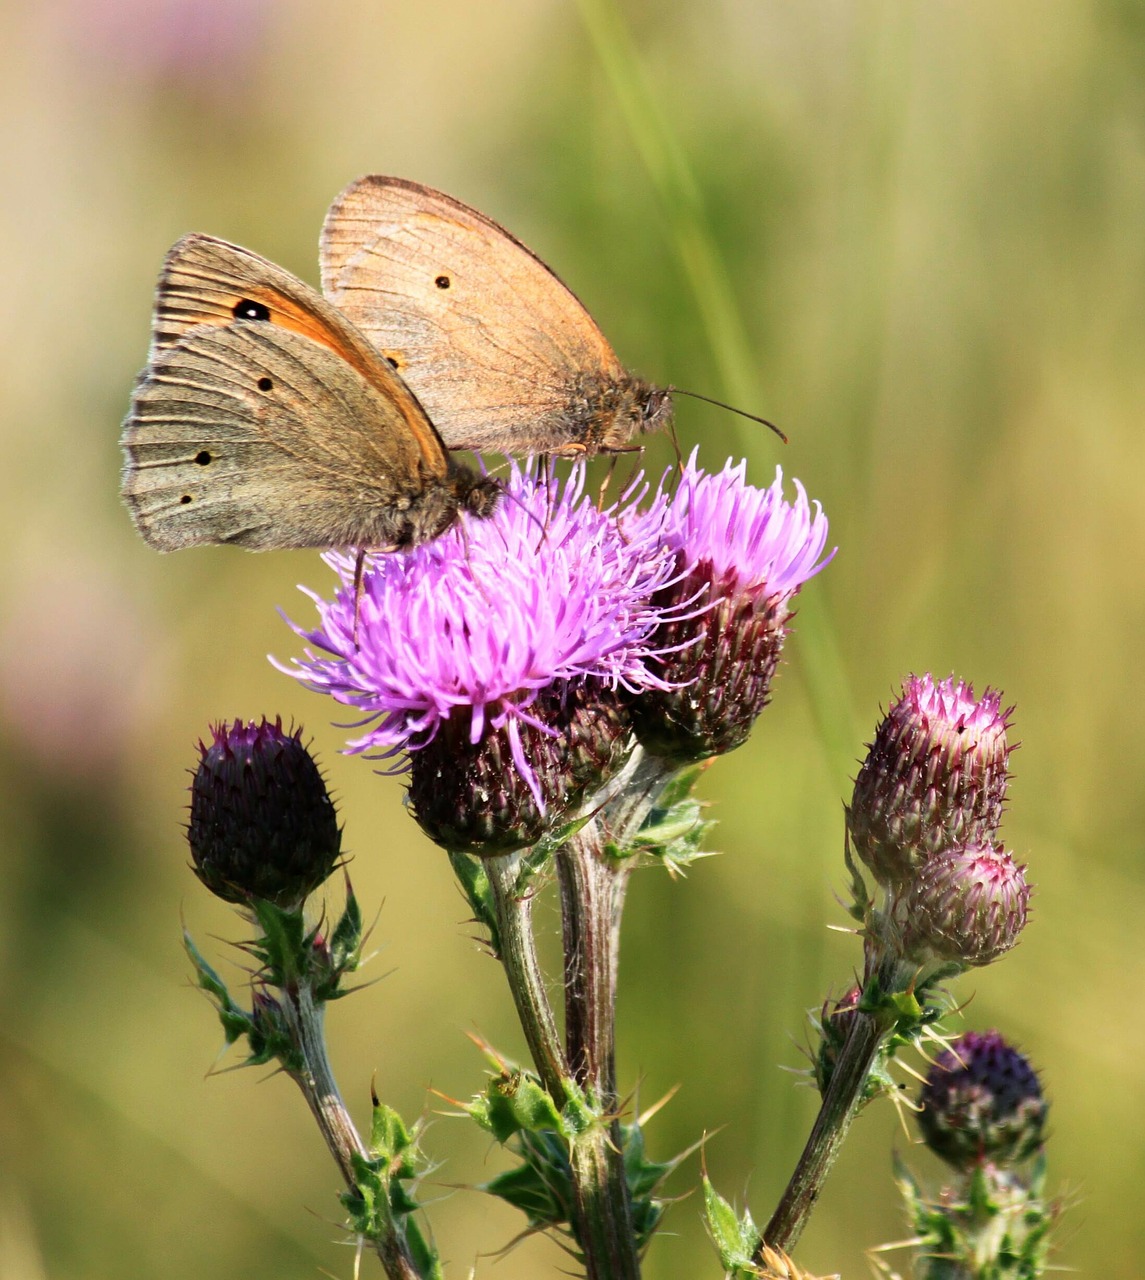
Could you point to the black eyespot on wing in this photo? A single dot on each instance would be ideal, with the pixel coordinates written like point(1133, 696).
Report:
point(442, 282)
point(248, 309)
point(266, 384)
point(394, 363)
point(203, 457)
point(185, 499)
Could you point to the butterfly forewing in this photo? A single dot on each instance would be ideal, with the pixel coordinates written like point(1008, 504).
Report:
point(501, 353)
point(254, 434)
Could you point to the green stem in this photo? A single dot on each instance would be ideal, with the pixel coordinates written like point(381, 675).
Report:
point(840, 1106)
point(316, 1080)
point(841, 1103)
point(517, 952)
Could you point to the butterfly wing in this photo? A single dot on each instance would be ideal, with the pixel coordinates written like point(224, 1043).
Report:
point(501, 353)
point(255, 434)
point(206, 281)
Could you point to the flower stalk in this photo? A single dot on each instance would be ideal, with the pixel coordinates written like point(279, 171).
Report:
point(516, 949)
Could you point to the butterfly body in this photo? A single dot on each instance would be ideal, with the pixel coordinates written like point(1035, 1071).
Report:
point(501, 353)
point(265, 420)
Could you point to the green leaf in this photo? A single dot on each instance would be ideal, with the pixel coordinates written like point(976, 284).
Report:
point(736, 1239)
point(474, 881)
point(513, 1101)
point(526, 1188)
point(346, 940)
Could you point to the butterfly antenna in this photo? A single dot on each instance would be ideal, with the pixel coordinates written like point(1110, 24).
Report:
point(695, 395)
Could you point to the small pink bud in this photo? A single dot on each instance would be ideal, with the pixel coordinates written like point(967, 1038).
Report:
point(968, 905)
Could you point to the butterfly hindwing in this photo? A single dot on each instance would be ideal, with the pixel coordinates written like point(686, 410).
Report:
point(254, 434)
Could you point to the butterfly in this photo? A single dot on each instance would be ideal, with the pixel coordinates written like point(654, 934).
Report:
point(499, 351)
point(265, 419)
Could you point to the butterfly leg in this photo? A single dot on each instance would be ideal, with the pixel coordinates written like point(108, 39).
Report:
point(359, 564)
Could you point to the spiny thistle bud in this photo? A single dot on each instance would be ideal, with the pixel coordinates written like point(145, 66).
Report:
point(967, 905)
point(835, 1021)
point(935, 777)
point(469, 798)
point(262, 823)
point(741, 555)
point(982, 1102)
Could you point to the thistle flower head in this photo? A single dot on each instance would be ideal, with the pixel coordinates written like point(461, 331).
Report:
point(262, 823)
point(935, 776)
point(741, 554)
point(982, 1101)
point(966, 905)
point(496, 629)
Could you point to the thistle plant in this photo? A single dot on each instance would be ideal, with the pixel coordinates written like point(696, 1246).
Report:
point(553, 680)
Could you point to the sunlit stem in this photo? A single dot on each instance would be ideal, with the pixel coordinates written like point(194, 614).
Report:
point(316, 1080)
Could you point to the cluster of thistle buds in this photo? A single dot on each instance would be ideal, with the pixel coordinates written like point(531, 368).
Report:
point(554, 678)
point(924, 820)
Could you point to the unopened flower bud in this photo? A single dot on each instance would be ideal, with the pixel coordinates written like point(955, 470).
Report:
point(262, 823)
point(935, 777)
point(469, 797)
point(967, 905)
point(982, 1102)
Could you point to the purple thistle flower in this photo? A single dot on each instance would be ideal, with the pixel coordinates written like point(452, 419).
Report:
point(746, 535)
point(475, 628)
point(741, 554)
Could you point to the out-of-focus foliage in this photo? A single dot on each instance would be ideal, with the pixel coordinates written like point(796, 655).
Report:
point(928, 219)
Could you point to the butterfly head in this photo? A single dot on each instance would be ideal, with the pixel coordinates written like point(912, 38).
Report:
point(656, 408)
point(477, 494)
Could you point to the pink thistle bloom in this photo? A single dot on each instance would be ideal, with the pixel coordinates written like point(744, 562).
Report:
point(750, 536)
point(482, 620)
point(741, 555)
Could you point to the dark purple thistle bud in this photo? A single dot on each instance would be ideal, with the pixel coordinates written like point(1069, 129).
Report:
point(262, 823)
point(935, 777)
point(468, 797)
point(966, 906)
point(982, 1102)
point(741, 555)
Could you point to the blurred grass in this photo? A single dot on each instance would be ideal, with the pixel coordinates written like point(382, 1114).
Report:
point(908, 233)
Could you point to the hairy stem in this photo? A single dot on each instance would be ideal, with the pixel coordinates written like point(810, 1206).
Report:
point(316, 1080)
point(592, 898)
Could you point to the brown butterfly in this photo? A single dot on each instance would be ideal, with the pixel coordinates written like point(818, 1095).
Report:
point(501, 353)
point(265, 419)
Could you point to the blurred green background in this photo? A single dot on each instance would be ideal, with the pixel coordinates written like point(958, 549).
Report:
point(912, 233)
